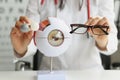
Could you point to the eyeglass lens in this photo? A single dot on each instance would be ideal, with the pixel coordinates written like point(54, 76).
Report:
point(80, 30)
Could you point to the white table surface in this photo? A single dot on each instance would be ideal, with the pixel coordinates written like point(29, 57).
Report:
point(70, 75)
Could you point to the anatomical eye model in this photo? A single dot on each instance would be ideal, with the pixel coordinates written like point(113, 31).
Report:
point(54, 39)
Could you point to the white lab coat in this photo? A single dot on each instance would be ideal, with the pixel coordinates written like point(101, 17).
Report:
point(83, 53)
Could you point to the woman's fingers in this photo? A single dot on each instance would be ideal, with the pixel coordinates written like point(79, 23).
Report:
point(103, 21)
point(21, 21)
point(93, 21)
point(24, 19)
point(15, 32)
point(18, 24)
point(97, 21)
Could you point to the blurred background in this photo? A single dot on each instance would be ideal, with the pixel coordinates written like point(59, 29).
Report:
point(10, 10)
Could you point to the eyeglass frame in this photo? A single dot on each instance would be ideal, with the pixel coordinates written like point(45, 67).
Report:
point(87, 26)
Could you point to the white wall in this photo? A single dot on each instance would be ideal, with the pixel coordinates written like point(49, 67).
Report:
point(116, 56)
point(117, 3)
point(10, 10)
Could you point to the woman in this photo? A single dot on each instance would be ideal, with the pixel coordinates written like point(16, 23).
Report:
point(84, 51)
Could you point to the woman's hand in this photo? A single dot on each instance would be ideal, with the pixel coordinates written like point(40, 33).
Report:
point(20, 40)
point(101, 40)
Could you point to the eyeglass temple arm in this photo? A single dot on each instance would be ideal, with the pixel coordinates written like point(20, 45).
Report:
point(74, 30)
point(78, 27)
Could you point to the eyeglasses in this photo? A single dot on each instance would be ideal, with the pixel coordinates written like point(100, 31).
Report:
point(82, 29)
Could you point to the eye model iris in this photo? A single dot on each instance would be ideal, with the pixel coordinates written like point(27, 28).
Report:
point(55, 38)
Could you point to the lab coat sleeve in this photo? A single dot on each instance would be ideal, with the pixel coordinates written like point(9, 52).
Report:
point(106, 9)
point(30, 51)
point(32, 12)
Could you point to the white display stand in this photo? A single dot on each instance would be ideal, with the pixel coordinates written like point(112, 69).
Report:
point(54, 75)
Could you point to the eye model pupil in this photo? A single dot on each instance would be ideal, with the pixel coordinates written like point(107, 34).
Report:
point(55, 38)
